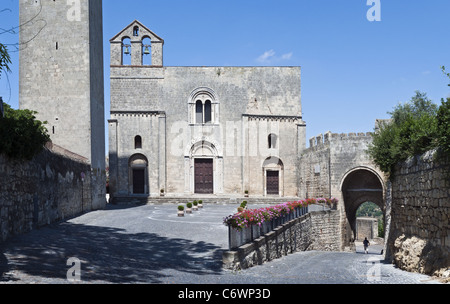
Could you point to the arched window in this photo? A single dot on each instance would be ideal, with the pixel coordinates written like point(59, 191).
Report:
point(199, 112)
point(204, 107)
point(136, 31)
point(208, 112)
point(138, 142)
point(272, 141)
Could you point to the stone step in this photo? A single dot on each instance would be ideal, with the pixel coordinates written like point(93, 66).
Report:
point(136, 200)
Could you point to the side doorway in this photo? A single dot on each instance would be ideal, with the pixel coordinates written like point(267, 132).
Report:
point(138, 175)
point(273, 182)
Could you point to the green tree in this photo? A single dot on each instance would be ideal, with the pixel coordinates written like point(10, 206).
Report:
point(5, 59)
point(411, 131)
point(445, 73)
point(443, 126)
point(443, 122)
point(369, 209)
point(21, 135)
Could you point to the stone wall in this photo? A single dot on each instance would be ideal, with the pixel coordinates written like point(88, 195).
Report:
point(54, 186)
point(313, 231)
point(419, 236)
point(334, 163)
point(328, 159)
point(366, 227)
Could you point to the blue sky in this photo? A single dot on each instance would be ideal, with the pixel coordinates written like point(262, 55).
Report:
point(353, 70)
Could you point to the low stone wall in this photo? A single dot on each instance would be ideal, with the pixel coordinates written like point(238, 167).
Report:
point(54, 186)
point(419, 237)
point(313, 231)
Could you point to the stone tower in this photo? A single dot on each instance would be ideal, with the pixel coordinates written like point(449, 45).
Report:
point(61, 72)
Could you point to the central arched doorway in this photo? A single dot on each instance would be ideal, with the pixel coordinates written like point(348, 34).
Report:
point(359, 186)
point(204, 168)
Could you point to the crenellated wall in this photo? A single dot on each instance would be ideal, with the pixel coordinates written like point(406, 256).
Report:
point(337, 165)
point(329, 157)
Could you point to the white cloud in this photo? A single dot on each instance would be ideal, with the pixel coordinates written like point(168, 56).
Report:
point(287, 56)
point(264, 58)
point(270, 57)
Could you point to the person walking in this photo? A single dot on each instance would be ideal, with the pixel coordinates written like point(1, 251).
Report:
point(366, 244)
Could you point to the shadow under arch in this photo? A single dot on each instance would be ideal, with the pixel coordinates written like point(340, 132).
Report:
point(360, 185)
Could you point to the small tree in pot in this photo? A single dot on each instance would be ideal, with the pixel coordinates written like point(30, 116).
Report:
point(189, 208)
point(181, 211)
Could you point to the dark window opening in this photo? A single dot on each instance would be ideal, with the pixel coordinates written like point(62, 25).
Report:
point(138, 142)
point(272, 141)
point(208, 112)
point(136, 31)
point(199, 112)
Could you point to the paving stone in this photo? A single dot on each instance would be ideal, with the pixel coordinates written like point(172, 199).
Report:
point(151, 244)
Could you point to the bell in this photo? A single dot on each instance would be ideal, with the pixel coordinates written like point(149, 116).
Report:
point(146, 50)
point(127, 50)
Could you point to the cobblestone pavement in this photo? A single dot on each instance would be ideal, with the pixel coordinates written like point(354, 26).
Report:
point(150, 244)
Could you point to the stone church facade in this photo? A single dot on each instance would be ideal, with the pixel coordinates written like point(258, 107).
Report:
point(193, 131)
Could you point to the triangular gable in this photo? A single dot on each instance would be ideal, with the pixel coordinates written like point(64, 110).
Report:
point(142, 28)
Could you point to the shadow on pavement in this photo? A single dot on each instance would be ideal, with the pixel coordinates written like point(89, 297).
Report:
point(107, 254)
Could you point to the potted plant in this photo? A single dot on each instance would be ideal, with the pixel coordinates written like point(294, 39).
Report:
point(243, 206)
point(195, 208)
point(161, 192)
point(246, 193)
point(200, 204)
point(189, 208)
point(181, 211)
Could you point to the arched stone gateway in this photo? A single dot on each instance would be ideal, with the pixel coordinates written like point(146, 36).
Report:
point(358, 186)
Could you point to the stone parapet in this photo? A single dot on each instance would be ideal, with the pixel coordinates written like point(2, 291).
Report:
point(314, 231)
